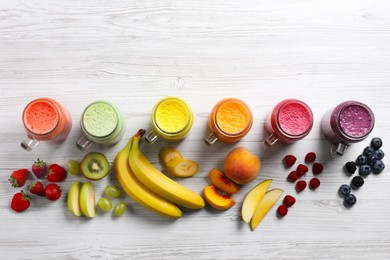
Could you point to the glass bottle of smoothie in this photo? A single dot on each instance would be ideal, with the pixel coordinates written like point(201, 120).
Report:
point(349, 122)
point(289, 121)
point(229, 121)
point(171, 120)
point(45, 119)
point(102, 123)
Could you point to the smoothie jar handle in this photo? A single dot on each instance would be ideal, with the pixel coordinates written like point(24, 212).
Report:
point(28, 144)
point(83, 143)
point(270, 140)
point(210, 139)
point(151, 137)
point(338, 149)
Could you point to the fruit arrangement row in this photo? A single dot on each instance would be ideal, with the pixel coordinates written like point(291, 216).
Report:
point(157, 192)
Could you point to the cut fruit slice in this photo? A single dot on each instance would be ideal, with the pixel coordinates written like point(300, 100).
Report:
point(73, 198)
point(167, 153)
point(87, 200)
point(217, 200)
point(182, 167)
point(223, 183)
point(253, 198)
point(94, 166)
point(269, 200)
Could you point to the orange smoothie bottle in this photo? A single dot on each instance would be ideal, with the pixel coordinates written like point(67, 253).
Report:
point(44, 119)
point(230, 120)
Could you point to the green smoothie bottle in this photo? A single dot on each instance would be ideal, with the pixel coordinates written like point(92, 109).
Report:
point(102, 123)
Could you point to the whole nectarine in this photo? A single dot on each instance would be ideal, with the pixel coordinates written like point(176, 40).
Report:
point(241, 166)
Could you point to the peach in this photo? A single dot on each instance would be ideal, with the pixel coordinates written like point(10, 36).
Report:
point(223, 183)
point(241, 166)
point(216, 199)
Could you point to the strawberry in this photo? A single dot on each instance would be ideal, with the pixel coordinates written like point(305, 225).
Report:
point(290, 160)
point(302, 169)
point(39, 168)
point(56, 173)
point(310, 157)
point(36, 187)
point(20, 201)
point(18, 178)
point(292, 176)
point(53, 191)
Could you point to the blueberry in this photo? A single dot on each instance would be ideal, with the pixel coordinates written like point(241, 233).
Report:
point(364, 170)
point(349, 200)
point(368, 151)
point(371, 160)
point(361, 160)
point(344, 190)
point(379, 154)
point(376, 143)
point(378, 167)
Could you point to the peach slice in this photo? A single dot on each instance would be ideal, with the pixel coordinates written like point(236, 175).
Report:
point(223, 183)
point(253, 198)
point(269, 200)
point(216, 199)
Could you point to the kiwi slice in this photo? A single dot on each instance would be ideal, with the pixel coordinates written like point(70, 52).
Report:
point(94, 166)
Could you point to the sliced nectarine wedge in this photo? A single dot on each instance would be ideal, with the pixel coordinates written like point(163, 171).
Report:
point(268, 201)
point(216, 199)
point(253, 198)
point(223, 183)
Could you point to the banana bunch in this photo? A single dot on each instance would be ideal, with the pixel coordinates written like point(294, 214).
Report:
point(150, 187)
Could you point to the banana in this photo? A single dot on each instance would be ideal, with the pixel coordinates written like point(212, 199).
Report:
point(137, 191)
point(159, 182)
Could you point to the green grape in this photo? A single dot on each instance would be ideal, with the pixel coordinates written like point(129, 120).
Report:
point(112, 191)
point(105, 204)
point(73, 167)
point(119, 209)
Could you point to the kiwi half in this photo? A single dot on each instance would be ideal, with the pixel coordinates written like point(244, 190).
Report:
point(94, 166)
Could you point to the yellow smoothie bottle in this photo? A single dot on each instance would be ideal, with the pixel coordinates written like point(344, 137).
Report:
point(171, 119)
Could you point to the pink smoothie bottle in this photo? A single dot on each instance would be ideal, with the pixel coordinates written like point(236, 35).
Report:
point(349, 122)
point(289, 121)
point(45, 119)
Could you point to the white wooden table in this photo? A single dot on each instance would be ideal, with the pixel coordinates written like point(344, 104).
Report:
point(136, 52)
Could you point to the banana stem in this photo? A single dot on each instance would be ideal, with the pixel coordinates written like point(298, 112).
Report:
point(140, 132)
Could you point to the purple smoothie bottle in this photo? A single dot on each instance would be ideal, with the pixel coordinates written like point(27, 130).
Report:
point(350, 122)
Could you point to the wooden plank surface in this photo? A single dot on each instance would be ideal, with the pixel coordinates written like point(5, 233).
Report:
point(136, 52)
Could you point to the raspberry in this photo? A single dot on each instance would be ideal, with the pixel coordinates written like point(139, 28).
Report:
point(300, 186)
point(290, 160)
point(350, 167)
point(282, 210)
point(292, 176)
point(357, 182)
point(289, 201)
point(310, 157)
point(314, 183)
point(302, 169)
point(317, 168)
